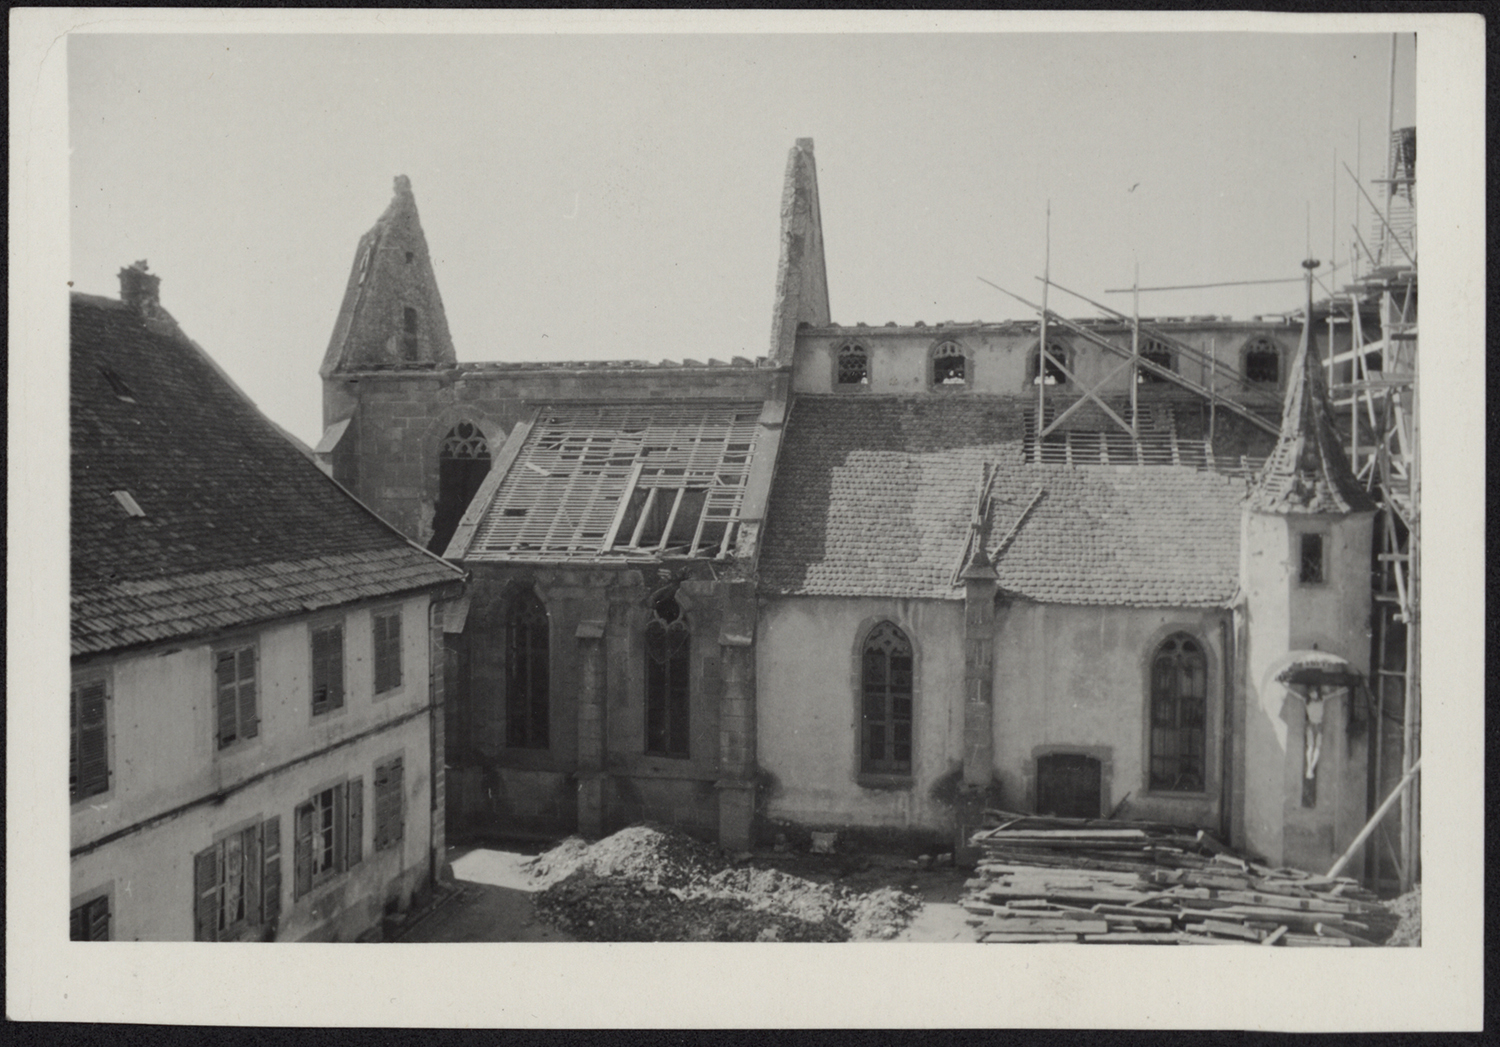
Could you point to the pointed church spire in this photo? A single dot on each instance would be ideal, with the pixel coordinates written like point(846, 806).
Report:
point(801, 276)
point(392, 316)
point(1308, 471)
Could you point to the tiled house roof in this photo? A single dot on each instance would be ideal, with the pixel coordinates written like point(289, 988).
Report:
point(220, 521)
point(873, 496)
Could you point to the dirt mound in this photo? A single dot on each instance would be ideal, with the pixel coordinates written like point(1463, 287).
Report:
point(1409, 908)
point(647, 883)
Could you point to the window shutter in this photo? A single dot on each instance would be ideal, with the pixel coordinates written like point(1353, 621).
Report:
point(224, 681)
point(320, 670)
point(356, 821)
point(206, 895)
point(397, 816)
point(93, 741)
point(340, 828)
point(77, 924)
point(99, 920)
point(270, 881)
point(249, 722)
point(302, 851)
point(336, 668)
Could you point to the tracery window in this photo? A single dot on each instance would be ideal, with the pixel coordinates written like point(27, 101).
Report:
point(949, 365)
point(668, 646)
point(1057, 359)
point(886, 699)
point(1158, 353)
point(1262, 361)
point(527, 673)
point(463, 463)
point(853, 365)
point(1179, 697)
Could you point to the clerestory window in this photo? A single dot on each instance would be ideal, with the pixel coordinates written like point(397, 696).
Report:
point(1161, 355)
point(1054, 373)
point(853, 366)
point(1262, 361)
point(463, 464)
point(950, 365)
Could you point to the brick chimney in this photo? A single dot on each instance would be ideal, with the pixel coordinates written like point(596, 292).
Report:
point(138, 289)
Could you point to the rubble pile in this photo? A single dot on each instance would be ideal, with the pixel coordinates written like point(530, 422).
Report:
point(1408, 908)
point(646, 883)
point(1065, 879)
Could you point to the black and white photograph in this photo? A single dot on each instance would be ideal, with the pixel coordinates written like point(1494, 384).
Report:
point(721, 505)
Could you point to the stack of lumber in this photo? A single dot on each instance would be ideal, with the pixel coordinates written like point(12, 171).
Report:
point(1074, 880)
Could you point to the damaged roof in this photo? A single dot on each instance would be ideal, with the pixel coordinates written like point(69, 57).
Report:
point(191, 511)
point(874, 496)
point(611, 481)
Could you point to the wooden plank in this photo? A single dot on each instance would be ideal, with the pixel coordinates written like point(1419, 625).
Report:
point(1225, 929)
point(997, 937)
point(1022, 925)
point(1131, 937)
point(1275, 936)
point(1306, 940)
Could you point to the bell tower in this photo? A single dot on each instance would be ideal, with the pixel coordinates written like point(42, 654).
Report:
point(1306, 532)
point(392, 315)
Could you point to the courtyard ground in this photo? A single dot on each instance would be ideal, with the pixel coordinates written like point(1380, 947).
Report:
point(765, 896)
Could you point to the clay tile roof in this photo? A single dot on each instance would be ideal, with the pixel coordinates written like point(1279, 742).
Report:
point(238, 525)
point(873, 497)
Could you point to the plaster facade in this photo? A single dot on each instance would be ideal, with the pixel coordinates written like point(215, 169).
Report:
point(173, 793)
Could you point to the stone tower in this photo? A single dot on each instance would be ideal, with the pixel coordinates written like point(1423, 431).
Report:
point(1305, 576)
point(392, 315)
point(801, 276)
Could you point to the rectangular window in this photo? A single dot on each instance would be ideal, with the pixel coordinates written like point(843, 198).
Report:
point(328, 668)
point(88, 756)
point(89, 922)
point(387, 651)
point(329, 838)
point(237, 884)
point(390, 815)
point(234, 686)
point(1311, 571)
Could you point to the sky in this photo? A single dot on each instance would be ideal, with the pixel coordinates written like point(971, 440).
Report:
point(617, 196)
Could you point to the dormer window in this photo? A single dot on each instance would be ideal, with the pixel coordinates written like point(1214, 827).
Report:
point(1054, 373)
point(950, 365)
point(1161, 355)
point(1262, 361)
point(853, 365)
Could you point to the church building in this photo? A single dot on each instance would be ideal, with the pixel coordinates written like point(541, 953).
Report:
point(881, 578)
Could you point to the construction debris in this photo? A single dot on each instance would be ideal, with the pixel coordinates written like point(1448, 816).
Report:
point(1045, 879)
point(647, 883)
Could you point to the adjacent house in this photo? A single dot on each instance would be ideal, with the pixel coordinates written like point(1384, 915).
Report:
point(256, 732)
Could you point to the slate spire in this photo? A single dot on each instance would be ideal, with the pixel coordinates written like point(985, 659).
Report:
point(1308, 471)
point(392, 315)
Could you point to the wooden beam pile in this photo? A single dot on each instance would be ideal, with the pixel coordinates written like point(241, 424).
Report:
point(1045, 879)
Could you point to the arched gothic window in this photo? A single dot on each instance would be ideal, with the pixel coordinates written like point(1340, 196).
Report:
point(949, 365)
point(1262, 361)
point(886, 701)
point(853, 365)
point(409, 332)
point(668, 646)
point(527, 672)
point(1179, 698)
point(1057, 353)
point(463, 463)
point(1158, 353)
